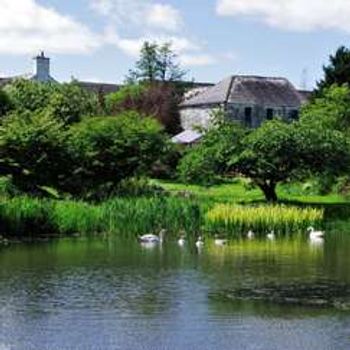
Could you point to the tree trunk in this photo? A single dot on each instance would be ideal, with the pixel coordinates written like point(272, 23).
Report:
point(269, 190)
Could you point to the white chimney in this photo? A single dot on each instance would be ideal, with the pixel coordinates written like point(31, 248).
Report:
point(42, 68)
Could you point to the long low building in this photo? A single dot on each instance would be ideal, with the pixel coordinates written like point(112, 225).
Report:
point(42, 74)
point(247, 99)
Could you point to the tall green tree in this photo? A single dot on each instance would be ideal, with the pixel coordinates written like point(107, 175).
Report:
point(337, 71)
point(157, 63)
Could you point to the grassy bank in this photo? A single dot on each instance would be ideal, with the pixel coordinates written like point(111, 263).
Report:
point(240, 191)
point(230, 208)
point(25, 216)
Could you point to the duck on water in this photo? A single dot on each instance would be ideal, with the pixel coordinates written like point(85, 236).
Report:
point(153, 239)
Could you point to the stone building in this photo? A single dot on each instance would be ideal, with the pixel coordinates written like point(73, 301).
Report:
point(247, 99)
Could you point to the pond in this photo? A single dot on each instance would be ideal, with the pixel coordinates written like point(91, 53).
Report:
point(104, 293)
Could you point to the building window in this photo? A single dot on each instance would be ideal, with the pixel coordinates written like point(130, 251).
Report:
point(269, 114)
point(294, 114)
point(248, 111)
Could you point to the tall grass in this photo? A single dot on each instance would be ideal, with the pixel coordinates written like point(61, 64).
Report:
point(26, 216)
point(233, 219)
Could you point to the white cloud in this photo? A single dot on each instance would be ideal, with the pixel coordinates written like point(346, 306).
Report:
point(26, 27)
point(299, 15)
point(149, 20)
point(197, 60)
point(164, 16)
point(140, 13)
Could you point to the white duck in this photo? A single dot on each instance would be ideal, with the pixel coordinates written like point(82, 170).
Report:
point(220, 241)
point(250, 234)
point(153, 239)
point(271, 236)
point(181, 241)
point(315, 235)
point(199, 243)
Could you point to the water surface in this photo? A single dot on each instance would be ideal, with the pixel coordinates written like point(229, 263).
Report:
point(112, 294)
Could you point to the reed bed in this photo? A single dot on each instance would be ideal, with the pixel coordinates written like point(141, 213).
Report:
point(26, 216)
point(236, 220)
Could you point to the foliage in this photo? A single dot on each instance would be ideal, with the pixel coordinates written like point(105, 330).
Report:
point(159, 100)
point(329, 110)
point(30, 95)
point(26, 216)
point(238, 220)
point(205, 161)
point(156, 63)
point(33, 151)
point(278, 152)
point(5, 103)
point(66, 102)
point(275, 152)
point(21, 216)
point(69, 103)
point(107, 150)
point(138, 187)
point(337, 71)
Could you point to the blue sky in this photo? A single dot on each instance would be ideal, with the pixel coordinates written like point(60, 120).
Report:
point(99, 39)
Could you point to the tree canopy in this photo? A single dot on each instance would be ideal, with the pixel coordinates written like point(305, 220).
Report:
point(337, 71)
point(330, 109)
point(274, 153)
point(157, 63)
point(66, 102)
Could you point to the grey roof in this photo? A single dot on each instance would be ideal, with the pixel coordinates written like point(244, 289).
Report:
point(305, 95)
point(254, 90)
point(103, 88)
point(187, 137)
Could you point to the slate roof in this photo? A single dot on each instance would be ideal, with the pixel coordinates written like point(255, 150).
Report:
point(103, 88)
point(267, 91)
point(187, 137)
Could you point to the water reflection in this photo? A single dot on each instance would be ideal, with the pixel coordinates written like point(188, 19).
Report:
point(112, 294)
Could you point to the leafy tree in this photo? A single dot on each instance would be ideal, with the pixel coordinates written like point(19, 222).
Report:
point(33, 151)
point(69, 103)
point(157, 63)
point(204, 162)
point(66, 102)
point(279, 152)
point(5, 103)
point(29, 95)
point(107, 150)
point(157, 100)
point(274, 153)
point(331, 109)
point(337, 71)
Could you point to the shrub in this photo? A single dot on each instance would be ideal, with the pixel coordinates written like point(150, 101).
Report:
point(33, 151)
point(66, 102)
point(5, 103)
point(108, 150)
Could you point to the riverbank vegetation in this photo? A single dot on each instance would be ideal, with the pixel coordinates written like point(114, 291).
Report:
point(28, 217)
point(72, 161)
point(237, 220)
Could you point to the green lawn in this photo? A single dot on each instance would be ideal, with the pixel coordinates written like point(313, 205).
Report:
point(237, 192)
